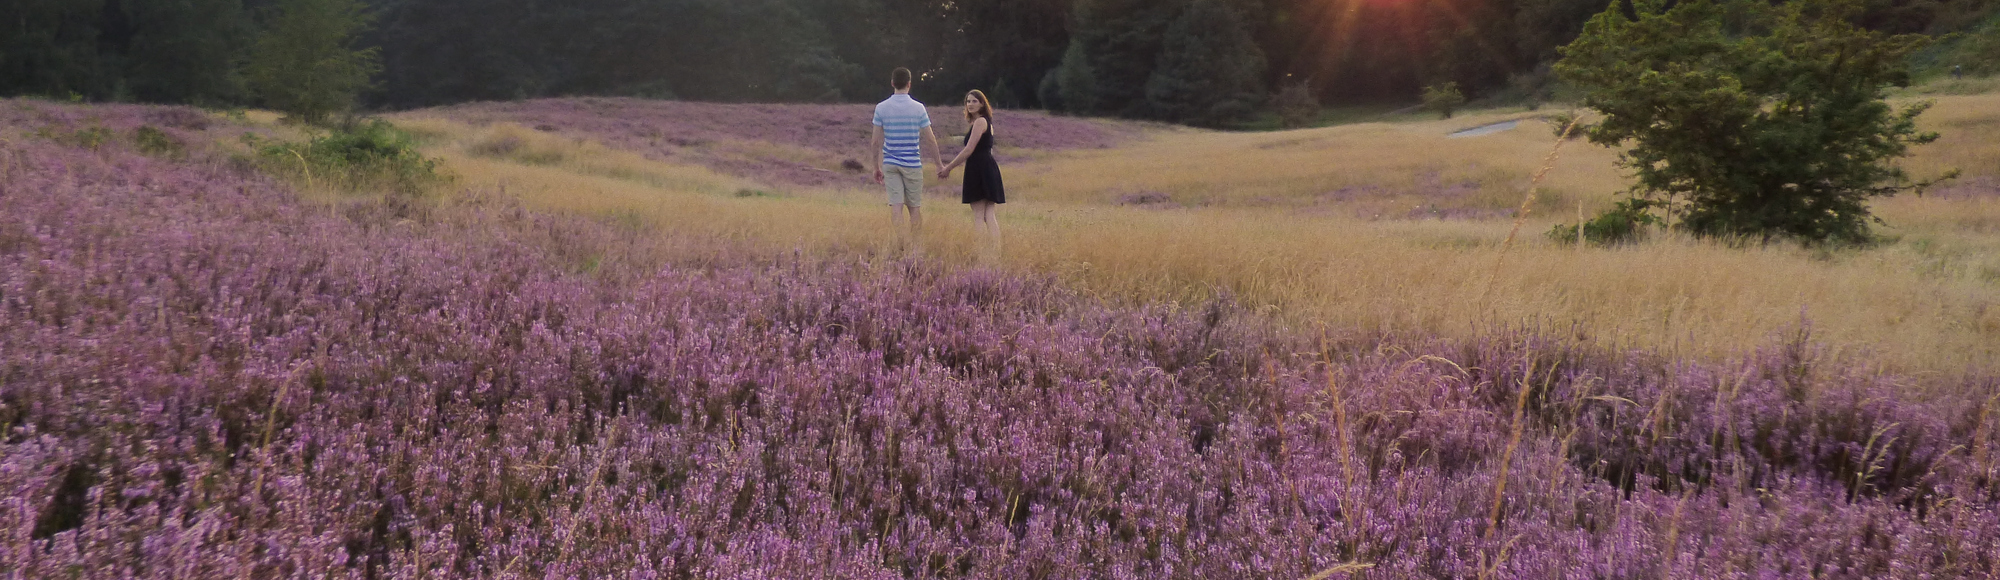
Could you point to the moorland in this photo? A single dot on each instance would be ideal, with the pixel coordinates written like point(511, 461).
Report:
point(636, 338)
point(1392, 226)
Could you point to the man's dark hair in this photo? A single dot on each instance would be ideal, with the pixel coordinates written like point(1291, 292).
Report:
point(900, 79)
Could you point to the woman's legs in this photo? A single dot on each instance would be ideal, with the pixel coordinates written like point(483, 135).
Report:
point(987, 224)
point(993, 226)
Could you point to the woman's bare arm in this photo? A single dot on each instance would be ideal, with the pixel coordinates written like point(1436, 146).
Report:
point(977, 132)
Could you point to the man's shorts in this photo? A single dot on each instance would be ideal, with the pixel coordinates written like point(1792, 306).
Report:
point(906, 184)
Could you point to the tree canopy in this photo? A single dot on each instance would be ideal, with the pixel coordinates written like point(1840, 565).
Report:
point(305, 64)
point(1747, 119)
point(1120, 57)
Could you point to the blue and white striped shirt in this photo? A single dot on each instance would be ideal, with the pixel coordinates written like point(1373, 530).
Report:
point(902, 119)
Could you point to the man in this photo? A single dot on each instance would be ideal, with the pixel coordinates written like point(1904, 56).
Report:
point(901, 140)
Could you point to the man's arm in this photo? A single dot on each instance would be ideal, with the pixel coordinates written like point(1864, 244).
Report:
point(929, 142)
point(875, 145)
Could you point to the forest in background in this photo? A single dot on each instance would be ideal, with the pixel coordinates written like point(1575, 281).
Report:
point(1199, 61)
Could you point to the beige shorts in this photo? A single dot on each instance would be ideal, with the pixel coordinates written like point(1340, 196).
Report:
point(906, 185)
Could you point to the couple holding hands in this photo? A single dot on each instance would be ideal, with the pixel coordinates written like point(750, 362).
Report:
point(902, 137)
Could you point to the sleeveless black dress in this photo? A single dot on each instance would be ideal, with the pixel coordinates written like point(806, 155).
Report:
point(982, 173)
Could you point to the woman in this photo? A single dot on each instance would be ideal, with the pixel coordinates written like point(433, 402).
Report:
point(983, 189)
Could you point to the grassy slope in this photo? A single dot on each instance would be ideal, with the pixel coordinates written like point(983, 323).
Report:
point(1378, 225)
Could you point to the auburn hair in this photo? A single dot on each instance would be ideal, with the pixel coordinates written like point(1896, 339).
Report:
point(985, 108)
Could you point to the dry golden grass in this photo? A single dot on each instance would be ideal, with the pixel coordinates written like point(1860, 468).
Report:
point(1257, 220)
point(557, 174)
point(1296, 169)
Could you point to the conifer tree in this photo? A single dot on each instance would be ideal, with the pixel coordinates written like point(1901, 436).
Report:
point(1114, 45)
point(1209, 71)
point(1075, 85)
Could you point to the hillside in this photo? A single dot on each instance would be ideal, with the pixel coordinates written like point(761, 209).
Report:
point(204, 373)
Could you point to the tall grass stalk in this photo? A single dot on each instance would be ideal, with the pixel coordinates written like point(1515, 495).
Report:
point(1347, 568)
point(1343, 446)
point(1982, 435)
point(1489, 569)
point(1513, 442)
point(1674, 534)
point(1527, 204)
point(271, 425)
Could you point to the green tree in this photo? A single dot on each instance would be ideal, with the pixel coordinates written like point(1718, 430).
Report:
point(1073, 86)
point(1003, 47)
point(50, 48)
point(1114, 47)
point(443, 51)
point(187, 51)
point(756, 50)
point(1443, 98)
point(1296, 105)
point(1209, 71)
point(1542, 27)
point(1774, 126)
point(305, 64)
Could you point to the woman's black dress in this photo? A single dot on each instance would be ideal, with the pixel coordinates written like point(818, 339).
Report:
point(982, 173)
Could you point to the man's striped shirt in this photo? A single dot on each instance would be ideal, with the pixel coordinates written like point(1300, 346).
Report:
point(902, 119)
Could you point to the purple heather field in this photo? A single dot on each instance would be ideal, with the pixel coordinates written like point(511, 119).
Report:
point(202, 377)
point(704, 133)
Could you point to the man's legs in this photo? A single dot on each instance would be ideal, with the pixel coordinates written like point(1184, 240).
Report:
point(906, 189)
point(914, 229)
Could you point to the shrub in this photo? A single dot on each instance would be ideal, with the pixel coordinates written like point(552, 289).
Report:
point(1626, 222)
point(1443, 98)
point(93, 137)
point(364, 156)
point(1560, 122)
point(1296, 105)
point(152, 141)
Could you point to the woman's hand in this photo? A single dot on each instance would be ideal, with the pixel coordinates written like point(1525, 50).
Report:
point(944, 172)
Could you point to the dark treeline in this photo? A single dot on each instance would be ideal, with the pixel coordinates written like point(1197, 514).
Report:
point(1201, 61)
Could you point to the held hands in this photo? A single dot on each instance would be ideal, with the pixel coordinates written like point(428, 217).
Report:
point(944, 172)
point(878, 174)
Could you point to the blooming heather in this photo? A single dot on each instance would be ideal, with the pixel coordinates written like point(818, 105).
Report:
point(201, 377)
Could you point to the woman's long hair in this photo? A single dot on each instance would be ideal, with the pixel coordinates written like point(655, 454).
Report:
point(985, 109)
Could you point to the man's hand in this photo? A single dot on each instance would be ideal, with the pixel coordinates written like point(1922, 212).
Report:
point(944, 173)
point(878, 174)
